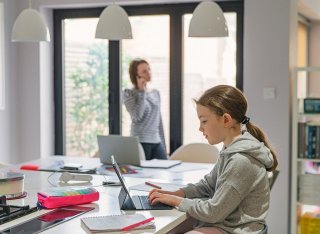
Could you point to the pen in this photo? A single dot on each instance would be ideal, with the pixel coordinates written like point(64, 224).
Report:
point(152, 185)
point(129, 227)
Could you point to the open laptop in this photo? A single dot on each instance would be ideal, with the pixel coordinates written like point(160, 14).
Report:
point(129, 202)
point(128, 150)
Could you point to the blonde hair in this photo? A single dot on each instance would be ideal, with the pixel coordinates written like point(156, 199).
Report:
point(227, 99)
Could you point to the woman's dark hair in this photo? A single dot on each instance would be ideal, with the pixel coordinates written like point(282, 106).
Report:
point(133, 70)
point(227, 99)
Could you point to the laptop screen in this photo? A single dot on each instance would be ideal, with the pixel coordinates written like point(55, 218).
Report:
point(121, 178)
point(114, 145)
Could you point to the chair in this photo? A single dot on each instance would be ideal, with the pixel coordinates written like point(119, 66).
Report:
point(2, 165)
point(142, 155)
point(196, 152)
point(265, 230)
point(272, 176)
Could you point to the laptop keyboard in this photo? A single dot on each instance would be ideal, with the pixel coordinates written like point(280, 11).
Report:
point(145, 202)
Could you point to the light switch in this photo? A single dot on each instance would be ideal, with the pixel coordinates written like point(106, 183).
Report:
point(269, 93)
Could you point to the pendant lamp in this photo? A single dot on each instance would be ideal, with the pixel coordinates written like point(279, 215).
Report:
point(208, 21)
point(30, 27)
point(114, 24)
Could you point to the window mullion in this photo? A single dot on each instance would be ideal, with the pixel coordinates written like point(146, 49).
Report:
point(114, 87)
point(176, 37)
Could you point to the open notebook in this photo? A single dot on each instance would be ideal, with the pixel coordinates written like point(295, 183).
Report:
point(158, 163)
point(113, 223)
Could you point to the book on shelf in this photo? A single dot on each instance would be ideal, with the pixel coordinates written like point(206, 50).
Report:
point(309, 140)
point(112, 223)
point(310, 223)
point(309, 189)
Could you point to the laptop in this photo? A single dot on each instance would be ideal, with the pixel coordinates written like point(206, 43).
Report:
point(137, 202)
point(128, 150)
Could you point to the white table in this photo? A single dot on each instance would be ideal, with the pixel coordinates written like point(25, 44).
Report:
point(108, 203)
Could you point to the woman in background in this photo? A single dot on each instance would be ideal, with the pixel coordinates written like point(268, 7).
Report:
point(143, 105)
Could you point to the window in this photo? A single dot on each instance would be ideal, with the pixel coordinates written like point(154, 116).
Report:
point(90, 73)
point(207, 62)
point(302, 39)
point(151, 42)
point(85, 78)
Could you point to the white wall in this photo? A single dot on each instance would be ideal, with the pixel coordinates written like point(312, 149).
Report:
point(267, 63)
point(8, 129)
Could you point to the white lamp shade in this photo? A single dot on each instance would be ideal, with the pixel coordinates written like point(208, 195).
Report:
point(208, 21)
point(30, 27)
point(114, 24)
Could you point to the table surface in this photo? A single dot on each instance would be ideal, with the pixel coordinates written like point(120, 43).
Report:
point(165, 220)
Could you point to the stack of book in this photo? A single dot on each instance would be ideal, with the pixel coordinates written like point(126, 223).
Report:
point(309, 189)
point(309, 140)
point(310, 223)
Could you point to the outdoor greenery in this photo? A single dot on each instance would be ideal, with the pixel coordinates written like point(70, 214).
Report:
point(88, 114)
point(89, 105)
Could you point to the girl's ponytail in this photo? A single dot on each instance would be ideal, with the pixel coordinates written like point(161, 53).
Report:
point(260, 136)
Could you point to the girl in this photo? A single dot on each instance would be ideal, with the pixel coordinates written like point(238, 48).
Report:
point(234, 196)
point(144, 108)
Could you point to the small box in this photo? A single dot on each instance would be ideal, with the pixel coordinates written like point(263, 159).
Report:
point(311, 105)
point(60, 197)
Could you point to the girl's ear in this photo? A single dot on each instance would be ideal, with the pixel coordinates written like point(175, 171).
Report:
point(227, 120)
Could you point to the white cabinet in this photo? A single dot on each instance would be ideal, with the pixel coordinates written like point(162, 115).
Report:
point(305, 143)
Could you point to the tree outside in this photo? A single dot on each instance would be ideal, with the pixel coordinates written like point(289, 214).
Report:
point(89, 108)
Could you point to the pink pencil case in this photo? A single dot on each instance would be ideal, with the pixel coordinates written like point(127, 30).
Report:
point(67, 197)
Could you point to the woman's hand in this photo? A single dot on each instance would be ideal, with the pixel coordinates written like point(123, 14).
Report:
point(166, 197)
point(141, 83)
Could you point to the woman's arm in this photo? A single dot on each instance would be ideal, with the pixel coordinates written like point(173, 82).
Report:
point(135, 103)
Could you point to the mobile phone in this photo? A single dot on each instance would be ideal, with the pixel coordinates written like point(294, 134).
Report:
point(72, 166)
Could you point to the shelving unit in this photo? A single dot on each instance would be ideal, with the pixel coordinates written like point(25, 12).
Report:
point(299, 166)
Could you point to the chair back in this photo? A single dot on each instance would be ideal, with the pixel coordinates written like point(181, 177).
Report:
point(264, 230)
point(196, 152)
point(3, 165)
point(272, 176)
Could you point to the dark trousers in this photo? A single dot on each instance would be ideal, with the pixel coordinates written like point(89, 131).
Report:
point(153, 150)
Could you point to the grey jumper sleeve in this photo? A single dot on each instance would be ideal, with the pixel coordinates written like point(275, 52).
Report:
point(234, 184)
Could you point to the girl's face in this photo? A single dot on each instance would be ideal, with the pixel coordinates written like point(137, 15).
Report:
point(211, 125)
point(144, 72)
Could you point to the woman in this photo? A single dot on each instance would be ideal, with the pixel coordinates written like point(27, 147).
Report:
point(143, 104)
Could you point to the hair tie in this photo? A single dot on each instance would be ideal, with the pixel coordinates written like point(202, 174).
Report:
point(245, 120)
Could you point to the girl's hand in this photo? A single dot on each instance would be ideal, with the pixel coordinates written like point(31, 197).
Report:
point(168, 199)
point(178, 193)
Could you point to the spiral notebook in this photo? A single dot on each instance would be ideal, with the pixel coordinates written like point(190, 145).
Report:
point(113, 223)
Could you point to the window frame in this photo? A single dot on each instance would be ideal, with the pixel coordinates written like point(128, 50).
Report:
point(176, 12)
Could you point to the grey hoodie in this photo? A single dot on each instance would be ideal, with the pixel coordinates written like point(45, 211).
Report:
point(234, 196)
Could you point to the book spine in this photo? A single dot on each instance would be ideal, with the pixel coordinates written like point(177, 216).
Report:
point(318, 142)
point(309, 144)
point(301, 139)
